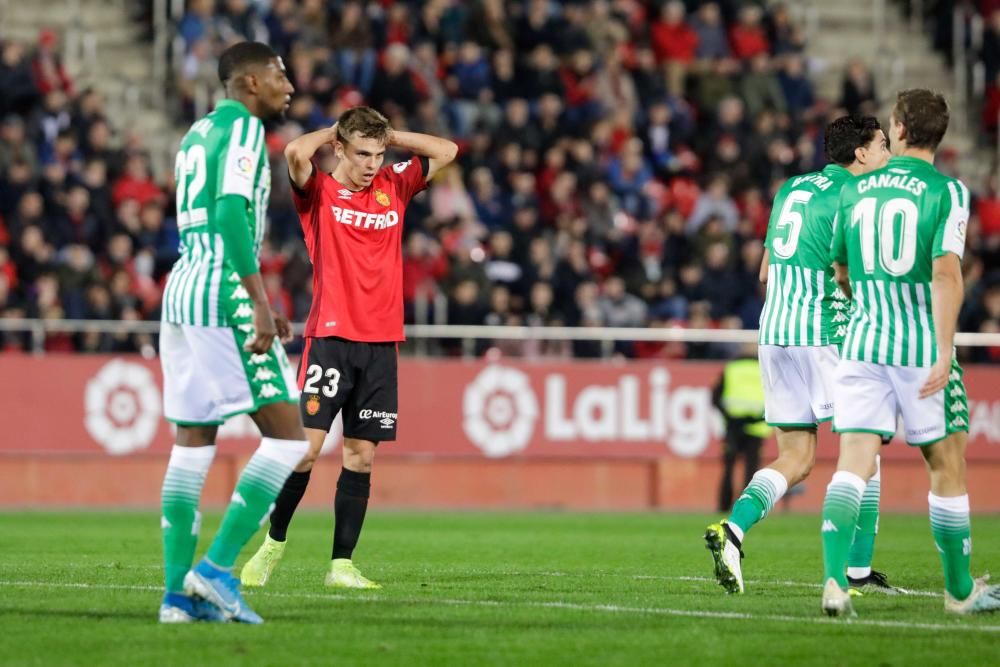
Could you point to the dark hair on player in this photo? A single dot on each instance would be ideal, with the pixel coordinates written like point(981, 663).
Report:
point(239, 57)
point(925, 115)
point(847, 133)
point(365, 122)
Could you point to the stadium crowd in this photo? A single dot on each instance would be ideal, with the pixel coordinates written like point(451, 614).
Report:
point(617, 163)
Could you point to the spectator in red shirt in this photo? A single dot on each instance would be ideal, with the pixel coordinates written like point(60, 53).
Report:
point(674, 43)
point(47, 65)
point(748, 37)
point(136, 183)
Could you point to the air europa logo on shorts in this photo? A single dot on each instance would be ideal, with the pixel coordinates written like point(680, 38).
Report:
point(377, 414)
point(364, 220)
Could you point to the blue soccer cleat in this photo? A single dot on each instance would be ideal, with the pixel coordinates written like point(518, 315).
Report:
point(180, 608)
point(222, 589)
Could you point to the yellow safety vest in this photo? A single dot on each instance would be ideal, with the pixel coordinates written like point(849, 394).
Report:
point(743, 394)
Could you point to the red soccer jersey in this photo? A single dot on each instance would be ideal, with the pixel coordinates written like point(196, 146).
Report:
point(355, 244)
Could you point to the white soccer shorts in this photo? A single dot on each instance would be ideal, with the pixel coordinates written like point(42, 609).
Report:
point(868, 397)
point(208, 376)
point(798, 384)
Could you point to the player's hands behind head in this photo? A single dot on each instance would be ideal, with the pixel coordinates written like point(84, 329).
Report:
point(264, 329)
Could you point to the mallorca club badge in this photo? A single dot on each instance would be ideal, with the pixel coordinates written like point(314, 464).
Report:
point(382, 198)
point(312, 405)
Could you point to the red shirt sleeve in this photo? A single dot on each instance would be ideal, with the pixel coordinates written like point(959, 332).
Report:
point(304, 197)
point(409, 177)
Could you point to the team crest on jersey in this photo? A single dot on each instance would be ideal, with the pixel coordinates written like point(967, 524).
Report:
point(312, 405)
point(382, 198)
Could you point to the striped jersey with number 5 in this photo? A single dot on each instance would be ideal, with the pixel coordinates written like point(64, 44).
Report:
point(222, 154)
point(891, 226)
point(803, 305)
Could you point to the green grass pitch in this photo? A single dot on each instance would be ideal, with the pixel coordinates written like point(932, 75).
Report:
point(487, 589)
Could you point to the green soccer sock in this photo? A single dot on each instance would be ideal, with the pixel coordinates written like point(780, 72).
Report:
point(953, 537)
point(859, 561)
point(254, 496)
point(764, 490)
point(840, 517)
point(180, 520)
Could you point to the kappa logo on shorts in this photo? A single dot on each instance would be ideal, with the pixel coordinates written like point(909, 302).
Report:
point(955, 392)
point(958, 422)
point(312, 405)
point(268, 391)
point(264, 374)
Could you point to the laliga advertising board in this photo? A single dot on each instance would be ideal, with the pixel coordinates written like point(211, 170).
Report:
point(105, 405)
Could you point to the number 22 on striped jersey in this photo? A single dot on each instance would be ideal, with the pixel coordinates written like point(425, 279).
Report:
point(791, 221)
point(190, 163)
point(895, 261)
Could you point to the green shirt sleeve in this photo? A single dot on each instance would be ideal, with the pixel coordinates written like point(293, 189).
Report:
point(838, 245)
point(949, 235)
point(233, 214)
point(243, 152)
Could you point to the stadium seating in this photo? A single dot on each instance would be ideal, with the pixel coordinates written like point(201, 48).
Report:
point(617, 162)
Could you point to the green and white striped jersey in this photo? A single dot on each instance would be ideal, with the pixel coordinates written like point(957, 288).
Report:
point(891, 225)
point(803, 305)
point(222, 154)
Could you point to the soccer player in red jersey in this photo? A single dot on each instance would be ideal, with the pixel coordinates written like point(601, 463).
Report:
point(353, 225)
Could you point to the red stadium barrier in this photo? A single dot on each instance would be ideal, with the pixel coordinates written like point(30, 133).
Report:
point(88, 430)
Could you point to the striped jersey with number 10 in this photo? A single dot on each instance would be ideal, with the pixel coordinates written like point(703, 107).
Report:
point(222, 154)
point(891, 226)
point(803, 305)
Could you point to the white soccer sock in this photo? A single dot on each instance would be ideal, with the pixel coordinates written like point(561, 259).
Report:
point(289, 453)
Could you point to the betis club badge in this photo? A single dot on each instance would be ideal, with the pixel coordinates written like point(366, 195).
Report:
point(312, 405)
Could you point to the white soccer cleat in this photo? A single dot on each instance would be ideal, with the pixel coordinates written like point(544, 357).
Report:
point(258, 569)
point(837, 601)
point(343, 574)
point(984, 598)
point(727, 557)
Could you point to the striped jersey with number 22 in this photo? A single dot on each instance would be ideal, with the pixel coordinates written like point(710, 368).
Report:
point(222, 154)
point(803, 305)
point(891, 226)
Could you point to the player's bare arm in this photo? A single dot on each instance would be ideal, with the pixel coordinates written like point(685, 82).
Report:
point(842, 278)
point(299, 153)
point(764, 263)
point(439, 152)
point(947, 290)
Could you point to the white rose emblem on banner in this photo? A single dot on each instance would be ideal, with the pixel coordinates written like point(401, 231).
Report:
point(500, 410)
point(122, 405)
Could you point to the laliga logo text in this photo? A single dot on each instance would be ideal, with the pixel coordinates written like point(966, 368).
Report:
point(500, 409)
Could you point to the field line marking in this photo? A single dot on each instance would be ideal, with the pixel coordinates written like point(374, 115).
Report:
point(575, 606)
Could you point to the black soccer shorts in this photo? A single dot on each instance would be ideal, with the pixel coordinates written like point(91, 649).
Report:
point(358, 378)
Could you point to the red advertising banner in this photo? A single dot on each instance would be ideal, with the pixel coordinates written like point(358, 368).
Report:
point(466, 409)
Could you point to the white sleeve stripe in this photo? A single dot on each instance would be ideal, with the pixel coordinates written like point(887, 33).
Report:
point(252, 130)
point(234, 134)
point(258, 140)
point(953, 239)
